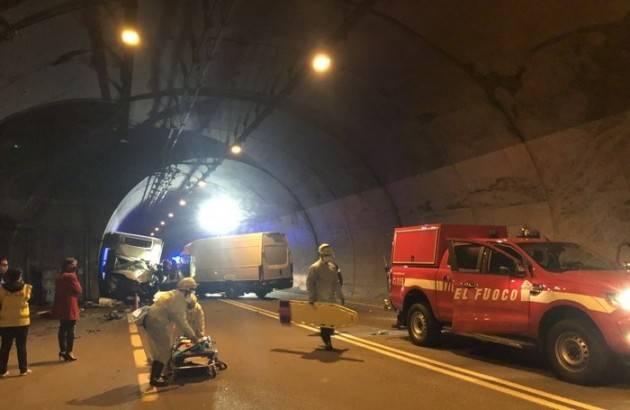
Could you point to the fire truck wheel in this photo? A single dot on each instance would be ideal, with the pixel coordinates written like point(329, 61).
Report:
point(423, 329)
point(577, 353)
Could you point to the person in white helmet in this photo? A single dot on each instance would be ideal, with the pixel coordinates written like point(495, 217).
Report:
point(170, 308)
point(324, 285)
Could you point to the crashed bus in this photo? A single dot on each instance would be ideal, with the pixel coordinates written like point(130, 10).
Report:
point(128, 265)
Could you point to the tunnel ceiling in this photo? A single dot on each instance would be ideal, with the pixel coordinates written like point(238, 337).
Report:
point(416, 88)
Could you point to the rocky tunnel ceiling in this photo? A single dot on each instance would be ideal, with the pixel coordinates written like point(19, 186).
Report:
point(514, 112)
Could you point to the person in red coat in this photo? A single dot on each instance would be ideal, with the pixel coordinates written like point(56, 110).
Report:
point(66, 307)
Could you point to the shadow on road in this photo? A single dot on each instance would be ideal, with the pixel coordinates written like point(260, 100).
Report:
point(46, 363)
point(114, 397)
point(320, 355)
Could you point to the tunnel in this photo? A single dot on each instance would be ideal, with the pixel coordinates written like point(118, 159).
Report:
point(515, 113)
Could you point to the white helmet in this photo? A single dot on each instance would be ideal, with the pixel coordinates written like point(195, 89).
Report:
point(325, 249)
point(187, 284)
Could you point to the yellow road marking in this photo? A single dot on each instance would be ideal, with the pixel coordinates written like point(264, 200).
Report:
point(490, 382)
point(140, 360)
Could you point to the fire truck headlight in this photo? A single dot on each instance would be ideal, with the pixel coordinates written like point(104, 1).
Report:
point(623, 299)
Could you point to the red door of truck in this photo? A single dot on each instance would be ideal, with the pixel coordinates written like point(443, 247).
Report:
point(488, 296)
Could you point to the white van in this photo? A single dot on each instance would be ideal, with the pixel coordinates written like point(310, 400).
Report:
point(257, 262)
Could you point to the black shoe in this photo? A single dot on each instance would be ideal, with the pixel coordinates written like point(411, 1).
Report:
point(68, 357)
point(156, 378)
point(159, 382)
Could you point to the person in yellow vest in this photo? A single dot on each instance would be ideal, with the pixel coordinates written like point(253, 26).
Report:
point(14, 320)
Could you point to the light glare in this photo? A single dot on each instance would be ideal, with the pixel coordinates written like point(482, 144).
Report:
point(182, 202)
point(170, 214)
point(130, 37)
point(236, 149)
point(623, 299)
point(162, 223)
point(220, 215)
point(321, 63)
point(202, 184)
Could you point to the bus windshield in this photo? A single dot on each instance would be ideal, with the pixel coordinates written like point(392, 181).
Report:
point(565, 256)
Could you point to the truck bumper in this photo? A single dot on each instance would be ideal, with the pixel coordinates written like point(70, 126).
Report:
point(616, 331)
point(121, 288)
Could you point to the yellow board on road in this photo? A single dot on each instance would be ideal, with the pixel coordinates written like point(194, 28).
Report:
point(319, 314)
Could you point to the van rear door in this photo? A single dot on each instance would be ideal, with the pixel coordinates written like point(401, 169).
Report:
point(275, 256)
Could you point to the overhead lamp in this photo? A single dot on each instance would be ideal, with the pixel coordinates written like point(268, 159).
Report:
point(170, 214)
point(236, 149)
point(156, 229)
point(162, 223)
point(130, 37)
point(152, 234)
point(202, 184)
point(182, 202)
point(321, 63)
point(220, 215)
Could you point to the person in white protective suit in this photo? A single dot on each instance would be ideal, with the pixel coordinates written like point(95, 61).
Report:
point(324, 285)
point(171, 308)
point(196, 317)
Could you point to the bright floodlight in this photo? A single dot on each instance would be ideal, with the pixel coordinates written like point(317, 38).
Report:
point(130, 37)
point(182, 202)
point(321, 63)
point(236, 149)
point(220, 215)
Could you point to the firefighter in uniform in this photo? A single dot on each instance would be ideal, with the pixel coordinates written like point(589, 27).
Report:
point(323, 284)
point(170, 308)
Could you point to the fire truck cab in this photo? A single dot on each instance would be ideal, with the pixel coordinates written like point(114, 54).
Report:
point(475, 281)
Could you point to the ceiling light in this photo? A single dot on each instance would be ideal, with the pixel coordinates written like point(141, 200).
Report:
point(220, 215)
point(236, 149)
point(321, 63)
point(170, 214)
point(182, 202)
point(152, 234)
point(156, 229)
point(202, 184)
point(130, 37)
point(162, 223)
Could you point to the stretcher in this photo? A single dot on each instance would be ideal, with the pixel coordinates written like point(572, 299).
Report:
point(186, 355)
point(318, 314)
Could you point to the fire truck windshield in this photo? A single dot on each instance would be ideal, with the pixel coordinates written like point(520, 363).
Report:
point(565, 256)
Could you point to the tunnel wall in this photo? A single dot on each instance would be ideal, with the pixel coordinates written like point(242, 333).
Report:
point(587, 201)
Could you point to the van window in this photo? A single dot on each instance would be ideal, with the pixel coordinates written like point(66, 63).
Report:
point(468, 257)
point(275, 255)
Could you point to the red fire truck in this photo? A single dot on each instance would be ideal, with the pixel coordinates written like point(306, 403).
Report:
point(523, 291)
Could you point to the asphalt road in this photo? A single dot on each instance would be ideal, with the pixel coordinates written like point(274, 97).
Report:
point(283, 367)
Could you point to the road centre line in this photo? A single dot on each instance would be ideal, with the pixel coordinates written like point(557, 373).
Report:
point(491, 382)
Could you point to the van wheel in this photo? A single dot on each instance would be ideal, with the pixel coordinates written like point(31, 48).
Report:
point(232, 293)
point(577, 353)
point(423, 329)
point(262, 294)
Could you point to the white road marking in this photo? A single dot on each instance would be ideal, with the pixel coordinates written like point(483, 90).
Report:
point(530, 394)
